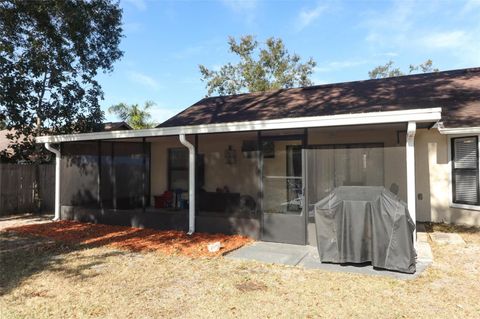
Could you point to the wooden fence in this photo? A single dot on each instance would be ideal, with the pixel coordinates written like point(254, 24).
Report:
point(26, 188)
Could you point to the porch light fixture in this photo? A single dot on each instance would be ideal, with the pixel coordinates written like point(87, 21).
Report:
point(230, 155)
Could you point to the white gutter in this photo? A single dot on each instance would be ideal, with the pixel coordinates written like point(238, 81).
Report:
point(417, 115)
point(460, 130)
point(191, 183)
point(57, 179)
point(410, 158)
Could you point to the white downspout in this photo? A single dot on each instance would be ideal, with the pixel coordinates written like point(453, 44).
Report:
point(410, 151)
point(191, 183)
point(57, 179)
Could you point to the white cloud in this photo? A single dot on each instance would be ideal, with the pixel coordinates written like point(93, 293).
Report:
point(241, 5)
point(308, 16)
point(389, 54)
point(143, 79)
point(247, 9)
point(161, 113)
point(404, 28)
point(470, 6)
point(338, 65)
point(449, 39)
point(465, 45)
point(392, 25)
point(138, 4)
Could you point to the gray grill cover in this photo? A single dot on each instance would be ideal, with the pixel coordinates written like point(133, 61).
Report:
point(357, 224)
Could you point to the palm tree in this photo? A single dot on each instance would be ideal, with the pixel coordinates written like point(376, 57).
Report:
point(136, 116)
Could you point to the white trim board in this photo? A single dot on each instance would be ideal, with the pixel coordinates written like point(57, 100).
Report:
point(415, 115)
point(460, 130)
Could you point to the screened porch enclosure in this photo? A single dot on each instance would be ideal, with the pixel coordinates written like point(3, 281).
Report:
point(354, 168)
point(104, 176)
point(263, 184)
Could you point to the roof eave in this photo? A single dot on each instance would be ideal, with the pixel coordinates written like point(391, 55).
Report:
point(459, 130)
point(416, 115)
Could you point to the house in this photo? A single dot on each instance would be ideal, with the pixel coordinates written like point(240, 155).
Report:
point(116, 126)
point(257, 163)
point(6, 142)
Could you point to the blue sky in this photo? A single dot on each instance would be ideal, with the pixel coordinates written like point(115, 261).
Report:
point(165, 41)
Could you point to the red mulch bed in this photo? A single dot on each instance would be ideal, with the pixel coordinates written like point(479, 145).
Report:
point(135, 239)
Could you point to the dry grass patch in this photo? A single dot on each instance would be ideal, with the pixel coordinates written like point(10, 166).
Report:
point(469, 233)
point(105, 282)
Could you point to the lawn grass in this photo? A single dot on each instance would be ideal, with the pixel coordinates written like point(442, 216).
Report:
point(44, 279)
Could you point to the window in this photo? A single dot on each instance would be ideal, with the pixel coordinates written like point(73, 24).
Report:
point(178, 169)
point(465, 181)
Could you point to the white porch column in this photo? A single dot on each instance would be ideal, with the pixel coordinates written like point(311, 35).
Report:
point(410, 151)
point(191, 183)
point(57, 179)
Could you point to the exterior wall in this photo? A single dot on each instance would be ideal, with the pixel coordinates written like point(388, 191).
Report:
point(159, 163)
point(241, 177)
point(432, 170)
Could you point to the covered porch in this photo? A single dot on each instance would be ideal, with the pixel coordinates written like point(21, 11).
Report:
point(260, 179)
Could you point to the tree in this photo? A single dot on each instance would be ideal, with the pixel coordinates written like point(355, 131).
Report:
point(134, 115)
point(259, 69)
point(388, 70)
point(50, 53)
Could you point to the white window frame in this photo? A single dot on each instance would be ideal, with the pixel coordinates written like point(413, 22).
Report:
point(450, 183)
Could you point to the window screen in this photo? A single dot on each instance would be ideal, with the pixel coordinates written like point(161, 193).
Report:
point(331, 166)
point(465, 181)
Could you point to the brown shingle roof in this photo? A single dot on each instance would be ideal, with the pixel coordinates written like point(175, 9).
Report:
point(457, 92)
point(116, 126)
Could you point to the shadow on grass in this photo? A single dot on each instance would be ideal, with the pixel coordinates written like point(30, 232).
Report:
point(29, 249)
point(449, 228)
point(21, 257)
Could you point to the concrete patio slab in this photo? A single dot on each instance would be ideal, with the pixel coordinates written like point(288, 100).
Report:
point(424, 251)
point(447, 238)
point(312, 261)
point(274, 253)
point(307, 257)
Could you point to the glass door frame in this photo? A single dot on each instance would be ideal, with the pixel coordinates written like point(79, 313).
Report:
point(303, 138)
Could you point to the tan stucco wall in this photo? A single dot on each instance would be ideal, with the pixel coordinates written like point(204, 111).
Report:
point(432, 169)
point(241, 177)
point(158, 166)
point(394, 154)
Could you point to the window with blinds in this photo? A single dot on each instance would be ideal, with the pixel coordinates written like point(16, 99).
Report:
point(178, 168)
point(465, 180)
